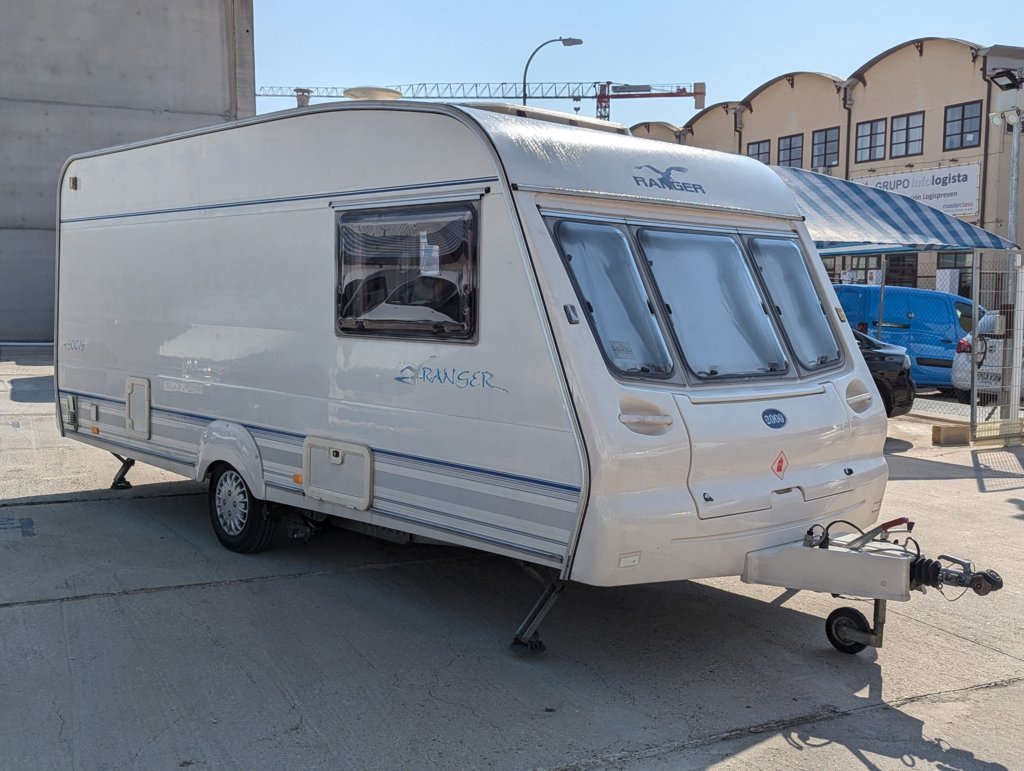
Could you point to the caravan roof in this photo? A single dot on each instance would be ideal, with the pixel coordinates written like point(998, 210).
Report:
point(538, 153)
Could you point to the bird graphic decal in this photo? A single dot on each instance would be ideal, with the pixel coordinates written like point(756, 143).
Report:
point(664, 176)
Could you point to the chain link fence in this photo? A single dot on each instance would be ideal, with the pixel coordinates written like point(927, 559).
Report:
point(964, 348)
point(993, 354)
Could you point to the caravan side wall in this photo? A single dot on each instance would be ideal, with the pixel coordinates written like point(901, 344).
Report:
point(197, 290)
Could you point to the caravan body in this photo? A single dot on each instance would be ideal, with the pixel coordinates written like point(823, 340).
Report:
point(611, 356)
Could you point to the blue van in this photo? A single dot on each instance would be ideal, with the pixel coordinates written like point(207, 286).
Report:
point(927, 323)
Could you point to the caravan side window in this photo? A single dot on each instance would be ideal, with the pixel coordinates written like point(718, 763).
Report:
point(408, 271)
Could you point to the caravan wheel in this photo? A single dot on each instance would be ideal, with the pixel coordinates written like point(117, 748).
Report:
point(239, 519)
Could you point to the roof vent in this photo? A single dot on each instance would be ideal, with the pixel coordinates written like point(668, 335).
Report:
point(372, 92)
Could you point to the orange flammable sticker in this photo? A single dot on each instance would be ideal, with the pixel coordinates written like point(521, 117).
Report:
point(779, 465)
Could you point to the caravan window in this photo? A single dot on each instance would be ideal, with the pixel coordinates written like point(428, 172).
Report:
point(785, 275)
point(712, 299)
point(408, 271)
point(613, 295)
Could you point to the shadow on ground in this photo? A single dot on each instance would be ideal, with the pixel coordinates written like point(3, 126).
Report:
point(35, 390)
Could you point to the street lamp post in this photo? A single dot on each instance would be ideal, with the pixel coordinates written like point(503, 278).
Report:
point(566, 41)
point(1010, 79)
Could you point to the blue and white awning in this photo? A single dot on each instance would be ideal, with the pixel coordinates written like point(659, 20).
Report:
point(845, 217)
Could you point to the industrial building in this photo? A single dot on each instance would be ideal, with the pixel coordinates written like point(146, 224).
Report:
point(918, 119)
point(78, 75)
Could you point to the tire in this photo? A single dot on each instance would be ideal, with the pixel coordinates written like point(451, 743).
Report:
point(239, 518)
point(887, 398)
point(962, 396)
point(841, 619)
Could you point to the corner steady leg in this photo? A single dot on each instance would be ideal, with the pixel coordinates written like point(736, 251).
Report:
point(120, 483)
point(526, 639)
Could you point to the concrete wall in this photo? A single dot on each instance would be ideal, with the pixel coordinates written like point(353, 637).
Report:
point(78, 75)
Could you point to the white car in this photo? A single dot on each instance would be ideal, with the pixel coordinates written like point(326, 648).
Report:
point(986, 350)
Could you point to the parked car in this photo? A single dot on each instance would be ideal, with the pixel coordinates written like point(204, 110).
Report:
point(927, 323)
point(890, 369)
point(986, 349)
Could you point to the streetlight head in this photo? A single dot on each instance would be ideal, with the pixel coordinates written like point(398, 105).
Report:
point(571, 41)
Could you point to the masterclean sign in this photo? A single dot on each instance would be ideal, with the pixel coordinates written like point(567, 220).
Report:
point(952, 189)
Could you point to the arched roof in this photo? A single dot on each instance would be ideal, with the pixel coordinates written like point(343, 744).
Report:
point(859, 74)
point(746, 101)
point(725, 106)
point(671, 127)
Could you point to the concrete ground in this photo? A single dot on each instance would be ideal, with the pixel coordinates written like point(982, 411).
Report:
point(131, 639)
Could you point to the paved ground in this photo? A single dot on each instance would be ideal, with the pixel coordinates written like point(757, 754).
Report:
point(131, 639)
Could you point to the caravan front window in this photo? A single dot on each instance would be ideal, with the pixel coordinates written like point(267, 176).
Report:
point(601, 263)
point(788, 281)
point(712, 299)
point(408, 271)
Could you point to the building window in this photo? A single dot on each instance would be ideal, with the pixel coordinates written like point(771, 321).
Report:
point(825, 148)
point(871, 141)
point(760, 151)
point(830, 268)
point(962, 263)
point(791, 151)
point(860, 264)
point(907, 135)
point(901, 270)
point(408, 271)
point(963, 126)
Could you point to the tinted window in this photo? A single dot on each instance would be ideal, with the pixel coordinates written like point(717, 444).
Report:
point(613, 295)
point(408, 271)
point(964, 316)
point(714, 305)
point(785, 274)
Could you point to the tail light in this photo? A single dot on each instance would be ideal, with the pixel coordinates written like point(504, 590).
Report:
point(964, 346)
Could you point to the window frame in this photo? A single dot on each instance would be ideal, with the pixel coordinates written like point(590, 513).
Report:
point(906, 131)
point(825, 142)
point(762, 147)
point(397, 329)
point(947, 121)
point(553, 223)
point(789, 151)
point(876, 140)
point(792, 369)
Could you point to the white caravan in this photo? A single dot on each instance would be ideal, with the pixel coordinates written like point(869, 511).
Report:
point(618, 358)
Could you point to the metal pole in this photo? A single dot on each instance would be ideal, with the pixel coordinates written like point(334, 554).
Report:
point(527, 67)
point(1011, 228)
point(975, 302)
point(881, 300)
point(1018, 348)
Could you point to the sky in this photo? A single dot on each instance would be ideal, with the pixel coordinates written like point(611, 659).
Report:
point(732, 45)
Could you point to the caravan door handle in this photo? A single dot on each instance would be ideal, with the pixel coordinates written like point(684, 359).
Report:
point(645, 420)
point(649, 425)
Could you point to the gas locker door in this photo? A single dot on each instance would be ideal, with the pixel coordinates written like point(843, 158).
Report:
point(753, 451)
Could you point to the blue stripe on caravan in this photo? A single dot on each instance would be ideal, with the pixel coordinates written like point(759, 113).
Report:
point(143, 450)
point(489, 472)
point(97, 397)
point(408, 507)
point(406, 456)
point(559, 558)
point(280, 199)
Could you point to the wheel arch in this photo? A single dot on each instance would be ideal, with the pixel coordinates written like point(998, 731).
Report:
point(224, 442)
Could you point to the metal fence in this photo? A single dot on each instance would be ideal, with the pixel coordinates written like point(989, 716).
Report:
point(994, 350)
point(965, 345)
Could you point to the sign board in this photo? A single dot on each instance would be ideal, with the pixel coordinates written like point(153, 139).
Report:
point(953, 190)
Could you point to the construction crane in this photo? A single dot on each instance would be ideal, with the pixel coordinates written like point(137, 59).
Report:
point(602, 92)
